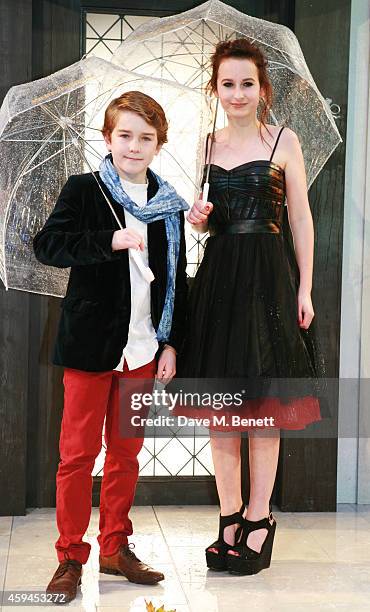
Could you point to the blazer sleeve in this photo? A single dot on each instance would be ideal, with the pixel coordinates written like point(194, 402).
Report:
point(60, 243)
point(177, 335)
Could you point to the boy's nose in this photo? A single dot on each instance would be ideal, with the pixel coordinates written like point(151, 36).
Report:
point(134, 146)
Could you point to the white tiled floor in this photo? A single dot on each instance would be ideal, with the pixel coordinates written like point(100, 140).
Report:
point(321, 561)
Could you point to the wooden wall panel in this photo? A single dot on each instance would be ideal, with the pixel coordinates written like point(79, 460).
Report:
point(55, 45)
point(15, 50)
point(308, 467)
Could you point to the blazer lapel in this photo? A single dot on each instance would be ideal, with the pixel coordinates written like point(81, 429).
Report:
point(118, 209)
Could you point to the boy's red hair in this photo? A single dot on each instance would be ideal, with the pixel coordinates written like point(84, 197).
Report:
point(141, 104)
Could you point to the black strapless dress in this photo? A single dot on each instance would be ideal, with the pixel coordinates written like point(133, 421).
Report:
point(243, 301)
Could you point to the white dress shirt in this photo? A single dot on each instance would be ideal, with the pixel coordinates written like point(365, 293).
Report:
point(142, 343)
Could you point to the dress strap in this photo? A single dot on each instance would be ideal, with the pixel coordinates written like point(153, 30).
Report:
point(277, 140)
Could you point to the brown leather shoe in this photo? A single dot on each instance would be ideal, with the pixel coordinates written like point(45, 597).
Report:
point(126, 563)
point(65, 581)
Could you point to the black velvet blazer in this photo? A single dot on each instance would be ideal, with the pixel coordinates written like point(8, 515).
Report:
point(96, 310)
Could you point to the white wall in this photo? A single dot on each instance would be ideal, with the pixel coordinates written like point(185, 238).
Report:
point(354, 452)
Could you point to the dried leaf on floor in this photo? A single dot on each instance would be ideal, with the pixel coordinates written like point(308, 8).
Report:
point(151, 608)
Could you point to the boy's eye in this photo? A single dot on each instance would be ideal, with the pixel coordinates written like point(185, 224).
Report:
point(147, 138)
point(124, 135)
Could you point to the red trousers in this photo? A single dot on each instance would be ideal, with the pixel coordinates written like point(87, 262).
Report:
point(88, 398)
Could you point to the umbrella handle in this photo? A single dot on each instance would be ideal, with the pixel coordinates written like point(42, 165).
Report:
point(145, 271)
point(205, 192)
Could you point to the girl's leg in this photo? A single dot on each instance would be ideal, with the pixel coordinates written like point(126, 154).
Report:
point(263, 460)
point(226, 461)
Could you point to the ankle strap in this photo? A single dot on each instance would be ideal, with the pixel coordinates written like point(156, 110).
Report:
point(230, 519)
point(253, 525)
point(265, 522)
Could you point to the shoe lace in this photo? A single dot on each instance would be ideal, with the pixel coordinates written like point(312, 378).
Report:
point(65, 566)
point(129, 552)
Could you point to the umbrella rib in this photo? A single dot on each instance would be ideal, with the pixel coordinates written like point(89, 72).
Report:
point(92, 150)
point(33, 140)
point(45, 143)
point(86, 142)
point(60, 151)
point(49, 112)
point(197, 44)
point(81, 110)
point(188, 32)
point(34, 127)
point(169, 72)
point(193, 78)
point(188, 35)
point(104, 93)
point(64, 157)
point(221, 35)
point(67, 103)
point(92, 128)
point(47, 159)
point(261, 42)
point(179, 165)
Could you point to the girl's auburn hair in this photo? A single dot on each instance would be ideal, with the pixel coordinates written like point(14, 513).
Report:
point(141, 104)
point(242, 48)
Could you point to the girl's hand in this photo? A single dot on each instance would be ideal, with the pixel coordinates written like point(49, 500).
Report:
point(305, 310)
point(166, 365)
point(127, 239)
point(199, 212)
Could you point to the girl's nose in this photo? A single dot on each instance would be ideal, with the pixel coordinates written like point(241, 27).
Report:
point(238, 94)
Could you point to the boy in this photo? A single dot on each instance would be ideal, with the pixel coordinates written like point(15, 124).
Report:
point(113, 324)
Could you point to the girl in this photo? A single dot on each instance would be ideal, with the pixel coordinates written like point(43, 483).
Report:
point(249, 314)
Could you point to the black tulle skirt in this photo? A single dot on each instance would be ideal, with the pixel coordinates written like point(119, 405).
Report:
point(243, 323)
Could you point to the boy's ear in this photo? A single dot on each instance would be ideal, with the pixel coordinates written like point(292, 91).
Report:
point(158, 149)
point(108, 141)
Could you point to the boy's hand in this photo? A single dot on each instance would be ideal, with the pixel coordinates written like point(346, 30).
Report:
point(199, 212)
point(127, 239)
point(166, 365)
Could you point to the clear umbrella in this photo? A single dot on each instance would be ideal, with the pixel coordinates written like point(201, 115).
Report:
point(179, 47)
point(50, 129)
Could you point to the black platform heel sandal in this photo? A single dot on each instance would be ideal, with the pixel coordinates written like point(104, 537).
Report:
point(247, 561)
point(218, 560)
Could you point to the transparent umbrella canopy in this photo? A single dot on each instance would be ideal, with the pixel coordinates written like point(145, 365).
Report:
point(50, 129)
point(179, 47)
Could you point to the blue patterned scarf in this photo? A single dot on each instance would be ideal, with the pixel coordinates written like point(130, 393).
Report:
point(166, 204)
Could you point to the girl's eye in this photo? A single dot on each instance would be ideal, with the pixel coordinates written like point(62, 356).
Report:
point(248, 84)
point(124, 135)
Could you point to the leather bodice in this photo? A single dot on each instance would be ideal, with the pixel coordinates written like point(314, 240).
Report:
point(253, 190)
